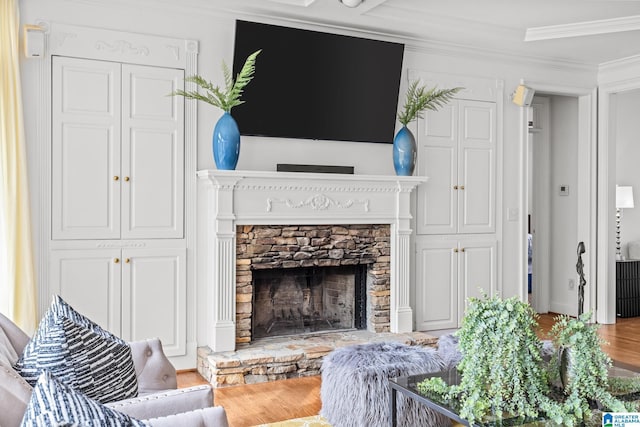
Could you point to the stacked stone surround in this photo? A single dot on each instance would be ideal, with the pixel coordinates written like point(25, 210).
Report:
point(294, 246)
point(281, 358)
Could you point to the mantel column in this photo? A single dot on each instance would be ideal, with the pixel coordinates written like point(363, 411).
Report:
point(221, 270)
point(401, 312)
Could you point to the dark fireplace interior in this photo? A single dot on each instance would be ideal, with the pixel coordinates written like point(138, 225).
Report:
point(291, 301)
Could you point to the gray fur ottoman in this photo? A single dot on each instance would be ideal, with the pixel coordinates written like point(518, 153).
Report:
point(355, 385)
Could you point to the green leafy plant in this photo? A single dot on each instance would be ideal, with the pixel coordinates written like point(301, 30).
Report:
point(226, 98)
point(419, 98)
point(582, 364)
point(502, 370)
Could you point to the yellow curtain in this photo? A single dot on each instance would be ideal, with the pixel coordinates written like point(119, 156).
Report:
point(17, 278)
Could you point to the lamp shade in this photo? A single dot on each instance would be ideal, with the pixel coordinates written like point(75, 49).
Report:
point(624, 197)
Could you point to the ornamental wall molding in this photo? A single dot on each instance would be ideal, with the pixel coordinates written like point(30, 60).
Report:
point(123, 47)
point(120, 245)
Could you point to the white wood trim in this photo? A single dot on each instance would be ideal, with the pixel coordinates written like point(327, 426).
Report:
point(43, 189)
point(580, 29)
point(606, 154)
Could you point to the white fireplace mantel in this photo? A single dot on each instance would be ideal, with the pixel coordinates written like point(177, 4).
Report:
point(262, 198)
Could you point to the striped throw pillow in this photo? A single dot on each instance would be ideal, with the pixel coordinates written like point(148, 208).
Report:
point(80, 354)
point(55, 404)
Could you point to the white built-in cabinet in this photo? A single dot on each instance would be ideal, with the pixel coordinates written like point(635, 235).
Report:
point(449, 271)
point(118, 252)
point(456, 240)
point(134, 293)
point(457, 149)
point(117, 151)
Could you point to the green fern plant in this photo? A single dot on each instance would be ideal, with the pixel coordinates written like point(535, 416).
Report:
point(226, 98)
point(419, 98)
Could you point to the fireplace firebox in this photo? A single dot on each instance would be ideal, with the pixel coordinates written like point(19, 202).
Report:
point(290, 301)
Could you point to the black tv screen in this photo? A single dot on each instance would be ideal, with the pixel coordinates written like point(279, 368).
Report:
point(314, 85)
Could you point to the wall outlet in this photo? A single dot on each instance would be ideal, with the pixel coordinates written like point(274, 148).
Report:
point(572, 284)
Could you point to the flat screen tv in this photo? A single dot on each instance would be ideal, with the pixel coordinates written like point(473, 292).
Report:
point(319, 86)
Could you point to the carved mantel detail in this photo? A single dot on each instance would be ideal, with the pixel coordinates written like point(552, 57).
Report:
point(318, 202)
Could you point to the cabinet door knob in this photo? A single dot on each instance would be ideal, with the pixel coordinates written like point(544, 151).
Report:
point(455, 187)
point(116, 260)
point(455, 250)
point(462, 187)
point(462, 250)
point(127, 260)
point(126, 178)
point(116, 178)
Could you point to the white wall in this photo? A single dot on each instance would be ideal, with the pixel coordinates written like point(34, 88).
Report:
point(564, 231)
point(627, 131)
point(215, 31)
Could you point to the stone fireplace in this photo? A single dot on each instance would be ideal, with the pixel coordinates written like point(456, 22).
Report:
point(283, 214)
point(296, 279)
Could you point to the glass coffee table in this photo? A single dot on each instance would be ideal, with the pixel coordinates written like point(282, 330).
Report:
point(408, 386)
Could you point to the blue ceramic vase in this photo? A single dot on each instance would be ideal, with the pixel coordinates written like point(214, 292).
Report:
point(226, 143)
point(404, 152)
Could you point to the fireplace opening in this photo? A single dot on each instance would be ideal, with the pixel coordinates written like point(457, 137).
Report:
point(288, 301)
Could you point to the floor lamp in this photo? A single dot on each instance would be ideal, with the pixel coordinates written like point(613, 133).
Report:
point(624, 200)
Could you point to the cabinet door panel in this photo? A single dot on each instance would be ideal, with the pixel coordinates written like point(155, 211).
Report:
point(153, 153)
point(478, 270)
point(477, 167)
point(436, 285)
point(437, 159)
point(154, 297)
point(476, 213)
point(85, 149)
point(89, 280)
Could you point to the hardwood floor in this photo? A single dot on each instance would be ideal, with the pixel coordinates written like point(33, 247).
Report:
point(249, 405)
point(623, 337)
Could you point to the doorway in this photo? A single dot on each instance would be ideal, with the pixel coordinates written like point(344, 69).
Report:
point(558, 191)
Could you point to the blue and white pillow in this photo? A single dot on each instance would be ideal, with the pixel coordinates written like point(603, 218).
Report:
point(55, 404)
point(80, 354)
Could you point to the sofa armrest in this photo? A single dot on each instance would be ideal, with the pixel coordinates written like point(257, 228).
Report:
point(153, 369)
point(208, 417)
point(166, 403)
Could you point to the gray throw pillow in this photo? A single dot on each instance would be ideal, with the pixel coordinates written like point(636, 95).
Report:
point(14, 396)
point(80, 354)
point(55, 404)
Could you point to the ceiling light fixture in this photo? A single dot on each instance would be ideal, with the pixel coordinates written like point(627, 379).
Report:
point(351, 3)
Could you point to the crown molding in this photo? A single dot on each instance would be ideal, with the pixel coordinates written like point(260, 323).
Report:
point(301, 3)
point(413, 42)
point(622, 73)
point(622, 62)
point(579, 29)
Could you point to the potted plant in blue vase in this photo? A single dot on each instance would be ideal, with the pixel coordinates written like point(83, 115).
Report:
point(226, 135)
point(418, 99)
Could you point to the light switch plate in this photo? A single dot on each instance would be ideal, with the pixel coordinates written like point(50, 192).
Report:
point(564, 190)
